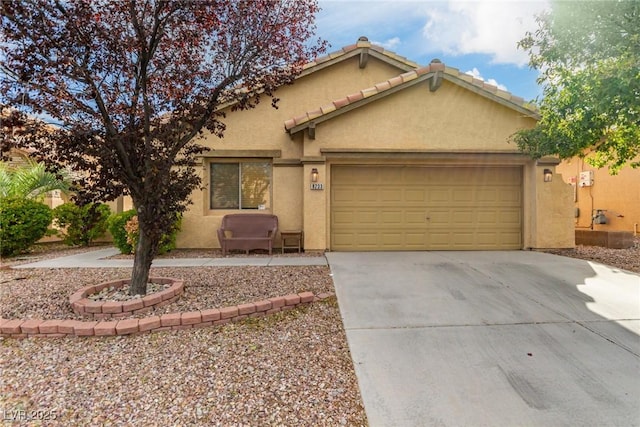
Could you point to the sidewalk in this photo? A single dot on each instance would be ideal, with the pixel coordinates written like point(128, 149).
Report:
point(96, 259)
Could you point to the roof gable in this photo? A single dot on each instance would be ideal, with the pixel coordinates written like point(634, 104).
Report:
point(436, 71)
point(364, 49)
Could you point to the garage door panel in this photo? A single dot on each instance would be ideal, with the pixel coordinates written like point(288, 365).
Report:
point(438, 218)
point(392, 217)
point(363, 194)
point(510, 195)
point(391, 239)
point(510, 238)
point(391, 195)
point(415, 218)
point(343, 194)
point(342, 217)
point(462, 218)
point(437, 195)
point(425, 208)
point(512, 216)
point(463, 195)
point(415, 240)
point(415, 195)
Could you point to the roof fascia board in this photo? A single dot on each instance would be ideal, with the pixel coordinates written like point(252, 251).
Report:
point(391, 61)
point(483, 92)
point(329, 62)
point(360, 103)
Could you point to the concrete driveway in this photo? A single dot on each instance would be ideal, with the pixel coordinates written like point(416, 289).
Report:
point(491, 338)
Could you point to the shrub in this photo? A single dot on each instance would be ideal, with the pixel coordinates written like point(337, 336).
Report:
point(81, 224)
point(124, 229)
point(116, 225)
point(22, 223)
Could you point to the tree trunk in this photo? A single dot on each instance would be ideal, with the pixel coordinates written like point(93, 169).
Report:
point(141, 265)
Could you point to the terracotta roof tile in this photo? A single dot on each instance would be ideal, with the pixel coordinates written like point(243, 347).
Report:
point(339, 103)
point(315, 113)
point(355, 97)
point(326, 109)
point(437, 66)
point(369, 91)
point(365, 43)
point(382, 86)
point(490, 88)
point(395, 81)
point(407, 77)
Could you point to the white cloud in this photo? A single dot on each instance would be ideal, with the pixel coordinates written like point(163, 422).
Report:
point(476, 73)
point(390, 44)
point(481, 27)
point(422, 27)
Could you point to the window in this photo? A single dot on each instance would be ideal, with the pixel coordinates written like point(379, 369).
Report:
point(243, 185)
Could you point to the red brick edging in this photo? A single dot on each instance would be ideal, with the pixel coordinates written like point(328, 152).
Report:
point(101, 310)
point(12, 328)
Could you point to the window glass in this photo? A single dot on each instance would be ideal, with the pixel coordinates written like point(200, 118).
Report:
point(244, 185)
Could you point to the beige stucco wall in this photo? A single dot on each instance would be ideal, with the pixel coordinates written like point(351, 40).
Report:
point(262, 128)
point(450, 119)
point(552, 211)
point(618, 195)
point(413, 126)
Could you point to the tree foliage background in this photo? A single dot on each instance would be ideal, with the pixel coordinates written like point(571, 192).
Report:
point(588, 53)
point(134, 84)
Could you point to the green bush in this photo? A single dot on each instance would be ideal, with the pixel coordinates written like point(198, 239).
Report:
point(81, 224)
point(168, 242)
point(22, 223)
point(116, 224)
point(125, 241)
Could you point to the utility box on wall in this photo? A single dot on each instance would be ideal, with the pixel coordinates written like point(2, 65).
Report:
point(586, 179)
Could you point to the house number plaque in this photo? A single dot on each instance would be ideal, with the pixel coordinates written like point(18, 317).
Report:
point(317, 186)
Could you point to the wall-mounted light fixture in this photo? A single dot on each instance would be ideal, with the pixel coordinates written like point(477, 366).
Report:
point(314, 175)
point(548, 175)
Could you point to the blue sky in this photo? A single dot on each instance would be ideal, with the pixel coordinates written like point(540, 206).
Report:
point(475, 36)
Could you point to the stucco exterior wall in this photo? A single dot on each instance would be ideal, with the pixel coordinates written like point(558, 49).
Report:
point(552, 210)
point(451, 126)
point(618, 195)
point(262, 128)
point(450, 119)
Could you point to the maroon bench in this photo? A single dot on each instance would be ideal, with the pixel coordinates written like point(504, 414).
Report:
point(247, 231)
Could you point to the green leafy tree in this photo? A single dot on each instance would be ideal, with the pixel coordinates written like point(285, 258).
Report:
point(31, 181)
point(588, 53)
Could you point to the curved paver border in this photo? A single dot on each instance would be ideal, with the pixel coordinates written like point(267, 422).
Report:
point(37, 328)
point(102, 310)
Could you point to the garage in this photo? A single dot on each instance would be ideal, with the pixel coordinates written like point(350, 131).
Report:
point(393, 208)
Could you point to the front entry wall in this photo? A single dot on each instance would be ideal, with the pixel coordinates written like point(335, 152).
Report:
point(426, 208)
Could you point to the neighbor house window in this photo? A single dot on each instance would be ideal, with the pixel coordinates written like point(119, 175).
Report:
point(241, 185)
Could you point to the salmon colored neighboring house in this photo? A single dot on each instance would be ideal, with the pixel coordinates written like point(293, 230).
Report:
point(603, 202)
point(370, 151)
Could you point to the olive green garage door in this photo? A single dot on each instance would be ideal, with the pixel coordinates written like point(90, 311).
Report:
point(380, 208)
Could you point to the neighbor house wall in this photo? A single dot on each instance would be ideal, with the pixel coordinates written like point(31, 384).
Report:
point(618, 195)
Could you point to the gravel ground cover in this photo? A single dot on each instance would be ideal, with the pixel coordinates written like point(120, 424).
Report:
point(288, 369)
point(44, 293)
point(626, 259)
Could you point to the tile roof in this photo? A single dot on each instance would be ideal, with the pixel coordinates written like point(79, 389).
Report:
point(448, 73)
point(362, 43)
